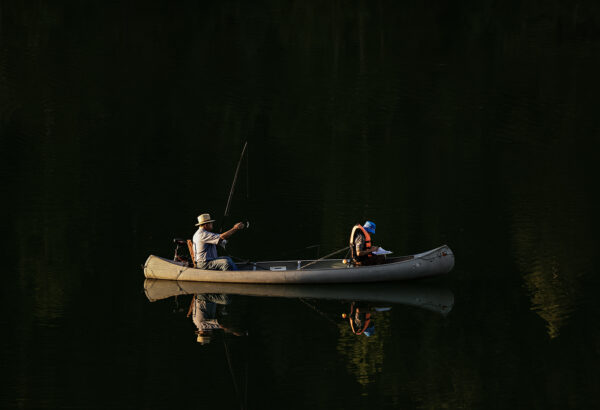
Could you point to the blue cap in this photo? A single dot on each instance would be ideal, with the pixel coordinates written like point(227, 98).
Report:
point(369, 226)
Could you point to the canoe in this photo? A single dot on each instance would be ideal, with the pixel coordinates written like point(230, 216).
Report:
point(437, 261)
point(435, 299)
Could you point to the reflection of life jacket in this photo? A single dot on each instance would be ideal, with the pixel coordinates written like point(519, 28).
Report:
point(361, 329)
point(355, 230)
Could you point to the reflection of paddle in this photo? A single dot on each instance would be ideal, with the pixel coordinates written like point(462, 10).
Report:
point(317, 310)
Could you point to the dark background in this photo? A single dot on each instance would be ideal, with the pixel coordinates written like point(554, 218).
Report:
point(473, 124)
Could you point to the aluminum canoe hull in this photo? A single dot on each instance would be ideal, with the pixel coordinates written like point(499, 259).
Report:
point(434, 262)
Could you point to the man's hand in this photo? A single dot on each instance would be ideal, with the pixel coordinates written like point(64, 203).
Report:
point(239, 225)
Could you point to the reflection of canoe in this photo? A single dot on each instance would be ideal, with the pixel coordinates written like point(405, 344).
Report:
point(434, 262)
point(435, 299)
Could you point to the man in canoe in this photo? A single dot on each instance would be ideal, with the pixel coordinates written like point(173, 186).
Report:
point(205, 245)
point(361, 247)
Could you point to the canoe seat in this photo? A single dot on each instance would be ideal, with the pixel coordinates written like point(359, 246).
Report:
point(180, 256)
point(190, 245)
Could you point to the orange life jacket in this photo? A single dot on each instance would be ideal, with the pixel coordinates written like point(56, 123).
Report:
point(367, 240)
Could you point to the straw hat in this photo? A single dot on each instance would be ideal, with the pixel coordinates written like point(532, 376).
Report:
point(204, 219)
point(203, 338)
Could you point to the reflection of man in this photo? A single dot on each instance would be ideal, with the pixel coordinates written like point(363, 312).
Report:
point(204, 315)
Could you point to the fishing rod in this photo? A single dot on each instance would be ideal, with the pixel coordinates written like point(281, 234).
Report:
point(235, 176)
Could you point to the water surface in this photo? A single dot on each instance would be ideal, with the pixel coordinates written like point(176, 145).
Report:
point(473, 125)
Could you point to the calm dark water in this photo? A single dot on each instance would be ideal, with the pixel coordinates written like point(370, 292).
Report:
point(472, 124)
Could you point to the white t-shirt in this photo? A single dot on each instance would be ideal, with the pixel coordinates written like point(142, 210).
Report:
point(204, 314)
point(205, 245)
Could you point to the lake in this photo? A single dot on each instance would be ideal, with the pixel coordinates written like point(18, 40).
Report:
point(474, 125)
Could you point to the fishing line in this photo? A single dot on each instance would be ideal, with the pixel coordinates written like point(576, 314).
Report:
point(247, 174)
point(296, 250)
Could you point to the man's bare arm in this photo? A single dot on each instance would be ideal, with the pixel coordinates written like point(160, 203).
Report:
point(236, 227)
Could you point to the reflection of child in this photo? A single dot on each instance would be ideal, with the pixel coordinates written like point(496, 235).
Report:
point(360, 320)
